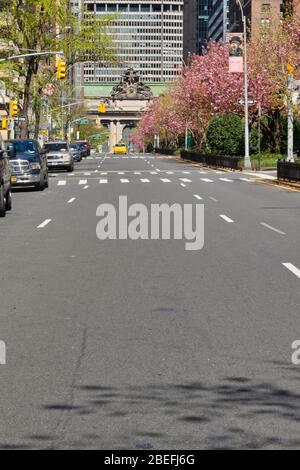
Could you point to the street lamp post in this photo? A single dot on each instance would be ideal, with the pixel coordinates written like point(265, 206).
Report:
point(247, 161)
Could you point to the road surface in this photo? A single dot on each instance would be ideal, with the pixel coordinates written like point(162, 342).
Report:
point(123, 344)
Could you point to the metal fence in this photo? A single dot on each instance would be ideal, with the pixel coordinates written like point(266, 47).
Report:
point(235, 163)
point(288, 170)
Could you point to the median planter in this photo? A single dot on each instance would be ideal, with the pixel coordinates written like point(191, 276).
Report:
point(288, 171)
point(165, 151)
point(234, 163)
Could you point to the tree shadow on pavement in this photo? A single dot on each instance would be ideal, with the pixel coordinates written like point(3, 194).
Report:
point(236, 413)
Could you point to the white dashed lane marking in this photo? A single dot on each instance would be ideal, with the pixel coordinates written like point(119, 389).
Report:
point(71, 200)
point(45, 223)
point(226, 218)
point(124, 181)
point(272, 228)
point(206, 180)
point(61, 183)
point(145, 180)
point(292, 268)
point(103, 181)
point(227, 180)
point(165, 180)
point(83, 182)
point(198, 197)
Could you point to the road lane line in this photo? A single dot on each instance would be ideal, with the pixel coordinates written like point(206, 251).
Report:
point(272, 228)
point(145, 180)
point(185, 180)
point(85, 187)
point(82, 182)
point(198, 197)
point(165, 180)
point(71, 200)
point(103, 181)
point(213, 199)
point(206, 180)
point(227, 219)
point(183, 185)
point(61, 183)
point(292, 268)
point(123, 180)
point(247, 180)
point(43, 224)
point(170, 172)
point(227, 180)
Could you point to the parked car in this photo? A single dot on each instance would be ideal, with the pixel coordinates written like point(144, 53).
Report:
point(5, 183)
point(76, 151)
point(28, 163)
point(59, 156)
point(85, 146)
point(120, 149)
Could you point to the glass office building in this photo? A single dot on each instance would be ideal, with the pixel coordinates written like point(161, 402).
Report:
point(148, 36)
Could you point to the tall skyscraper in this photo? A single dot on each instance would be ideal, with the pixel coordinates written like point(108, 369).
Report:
point(218, 21)
point(148, 36)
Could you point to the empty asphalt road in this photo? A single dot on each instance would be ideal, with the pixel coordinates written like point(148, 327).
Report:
point(140, 344)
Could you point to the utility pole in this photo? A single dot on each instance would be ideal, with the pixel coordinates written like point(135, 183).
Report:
point(290, 118)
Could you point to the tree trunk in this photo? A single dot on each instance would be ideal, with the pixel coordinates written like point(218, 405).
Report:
point(29, 75)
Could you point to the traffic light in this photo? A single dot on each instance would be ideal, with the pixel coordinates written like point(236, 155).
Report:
point(61, 70)
point(102, 108)
point(4, 123)
point(13, 108)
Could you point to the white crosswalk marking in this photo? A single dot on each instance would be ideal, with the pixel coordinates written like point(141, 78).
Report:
point(165, 180)
point(103, 181)
point(145, 180)
point(185, 180)
point(61, 183)
point(227, 180)
point(82, 182)
point(124, 180)
point(206, 180)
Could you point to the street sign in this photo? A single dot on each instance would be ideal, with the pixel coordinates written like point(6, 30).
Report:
point(20, 119)
point(81, 122)
point(251, 102)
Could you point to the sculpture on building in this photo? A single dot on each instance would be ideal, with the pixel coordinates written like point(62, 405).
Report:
point(131, 88)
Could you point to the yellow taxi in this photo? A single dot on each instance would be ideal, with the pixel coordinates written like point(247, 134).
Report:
point(120, 149)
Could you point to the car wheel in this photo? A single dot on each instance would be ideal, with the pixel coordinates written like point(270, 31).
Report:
point(71, 169)
point(8, 201)
point(40, 186)
point(2, 202)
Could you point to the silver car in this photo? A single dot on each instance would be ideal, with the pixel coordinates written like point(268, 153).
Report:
point(59, 156)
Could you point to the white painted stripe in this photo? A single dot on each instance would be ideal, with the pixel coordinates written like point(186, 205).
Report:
point(273, 228)
point(247, 180)
point(87, 174)
point(82, 182)
point(186, 172)
point(71, 200)
point(153, 172)
point(170, 172)
point(43, 224)
point(165, 180)
point(227, 180)
point(198, 197)
point(157, 169)
point(206, 180)
point(213, 199)
point(137, 172)
point(227, 219)
point(203, 172)
point(61, 183)
point(103, 181)
point(104, 174)
point(145, 180)
point(124, 180)
point(85, 187)
point(292, 268)
point(219, 172)
point(183, 185)
point(185, 180)
point(121, 173)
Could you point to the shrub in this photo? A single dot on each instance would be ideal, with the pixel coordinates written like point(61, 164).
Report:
point(225, 135)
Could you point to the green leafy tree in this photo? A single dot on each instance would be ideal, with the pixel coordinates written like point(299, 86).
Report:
point(225, 135)
point(42, 25)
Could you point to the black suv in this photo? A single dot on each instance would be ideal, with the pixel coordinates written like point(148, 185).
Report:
point(5, 183)
point(28, 163)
